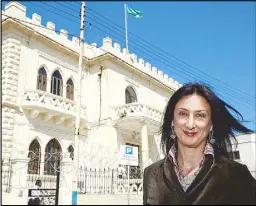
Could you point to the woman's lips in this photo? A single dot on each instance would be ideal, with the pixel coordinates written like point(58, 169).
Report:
point(191, 134)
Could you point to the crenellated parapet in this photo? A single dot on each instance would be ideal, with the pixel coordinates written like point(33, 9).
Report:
point(91, 51)
point(18, 12)
point(139, 63)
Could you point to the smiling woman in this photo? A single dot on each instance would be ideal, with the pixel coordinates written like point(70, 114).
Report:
point(196, 136)
point(192, 118)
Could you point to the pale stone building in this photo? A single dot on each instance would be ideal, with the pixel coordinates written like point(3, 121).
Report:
point(122, 100)
point(245, 152)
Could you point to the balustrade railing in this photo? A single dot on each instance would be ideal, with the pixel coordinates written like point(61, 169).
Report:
point(138, 109)
point(46, 99)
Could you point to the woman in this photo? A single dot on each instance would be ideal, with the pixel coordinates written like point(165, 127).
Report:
point(196, 135)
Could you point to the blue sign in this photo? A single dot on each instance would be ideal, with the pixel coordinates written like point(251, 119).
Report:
point(128, 155)
point(128, 150)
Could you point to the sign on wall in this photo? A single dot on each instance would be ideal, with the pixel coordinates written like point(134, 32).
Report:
point(128, 155)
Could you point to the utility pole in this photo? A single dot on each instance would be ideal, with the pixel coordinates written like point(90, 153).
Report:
point(78, 106)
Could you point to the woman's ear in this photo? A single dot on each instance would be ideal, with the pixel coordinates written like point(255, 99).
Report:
point(211, 128)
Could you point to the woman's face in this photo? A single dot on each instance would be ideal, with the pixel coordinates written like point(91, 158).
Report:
point(192, 121)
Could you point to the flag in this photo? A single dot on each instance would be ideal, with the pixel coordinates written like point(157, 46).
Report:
point(136, 13)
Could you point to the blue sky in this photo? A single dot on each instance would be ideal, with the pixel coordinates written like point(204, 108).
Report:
point(213, 42)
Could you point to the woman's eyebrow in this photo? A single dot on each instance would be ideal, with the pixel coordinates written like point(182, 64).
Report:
point(200, 110)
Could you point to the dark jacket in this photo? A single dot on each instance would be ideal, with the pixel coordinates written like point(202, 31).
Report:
point(220, 181)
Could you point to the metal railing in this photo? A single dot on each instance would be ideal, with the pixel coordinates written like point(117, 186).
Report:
point(109, 181)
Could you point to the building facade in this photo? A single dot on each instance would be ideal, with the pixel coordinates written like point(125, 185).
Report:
point(122, 97)
point(245, 151)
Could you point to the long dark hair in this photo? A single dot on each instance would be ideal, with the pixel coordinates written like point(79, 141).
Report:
point(224, 123)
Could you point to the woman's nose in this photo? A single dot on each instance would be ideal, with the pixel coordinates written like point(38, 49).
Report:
point(190, 122)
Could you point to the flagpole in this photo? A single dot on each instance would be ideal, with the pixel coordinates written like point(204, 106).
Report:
point(126, 33)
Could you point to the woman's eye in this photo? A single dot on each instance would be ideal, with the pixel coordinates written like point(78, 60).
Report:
point(201, 115)
point(182, 114)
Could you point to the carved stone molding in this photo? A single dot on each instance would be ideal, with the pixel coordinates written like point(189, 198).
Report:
point(47, 117)
point(51, 103)
point(34, 113)
point(59, 119)
point(57, 61)
point(137, 110)
point(70, 122)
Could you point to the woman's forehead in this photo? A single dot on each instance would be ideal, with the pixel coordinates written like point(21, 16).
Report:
point(193, 102)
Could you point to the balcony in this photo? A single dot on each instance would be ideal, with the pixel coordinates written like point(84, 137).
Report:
point(130, 117)
point(52, 106)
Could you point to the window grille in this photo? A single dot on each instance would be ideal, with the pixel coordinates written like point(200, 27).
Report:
point(52, 157)
point(34, 156)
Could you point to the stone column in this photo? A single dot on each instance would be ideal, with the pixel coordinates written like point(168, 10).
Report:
point(144, 147)
point(65, 187)
point(49, 81)
point(64, 90)
point(19, 189)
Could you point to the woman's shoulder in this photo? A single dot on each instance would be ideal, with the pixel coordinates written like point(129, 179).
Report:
point(230, 162)
point(233, 167)
point(158, 165)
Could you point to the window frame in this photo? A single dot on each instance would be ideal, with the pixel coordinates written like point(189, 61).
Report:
point(36, 155)
point(70, 89)
point(52, 157)
point(130, 95)
point(57, 83)
point(41, 79)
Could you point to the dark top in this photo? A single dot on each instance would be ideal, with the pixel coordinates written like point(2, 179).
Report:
point(220, 181)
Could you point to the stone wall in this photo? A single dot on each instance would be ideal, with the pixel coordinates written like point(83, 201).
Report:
point(10, 71)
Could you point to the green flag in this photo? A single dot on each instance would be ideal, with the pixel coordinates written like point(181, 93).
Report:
point(136, 13)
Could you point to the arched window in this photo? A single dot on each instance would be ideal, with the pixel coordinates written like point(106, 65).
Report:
point(130, 95)
point(41, 79)
point(52, 157)
point(34, 156)
point(57, 83)
point(71, 152)
point(70, 89)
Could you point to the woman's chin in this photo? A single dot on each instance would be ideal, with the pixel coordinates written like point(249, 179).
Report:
point(190, 142)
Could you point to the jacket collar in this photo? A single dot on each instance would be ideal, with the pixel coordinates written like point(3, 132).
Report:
point(172, 181)
point(173, 153)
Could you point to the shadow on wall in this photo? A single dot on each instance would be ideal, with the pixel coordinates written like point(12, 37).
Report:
point(154, 153)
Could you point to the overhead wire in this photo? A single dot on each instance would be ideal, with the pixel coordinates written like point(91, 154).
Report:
point(250, 101)
point(53, 11)
point(181, 72)
point(167, 53)
point(234, 99)
point(103, 31)
point(190, 72)
point(108, 20)
point(27, 22)
point(66, 17)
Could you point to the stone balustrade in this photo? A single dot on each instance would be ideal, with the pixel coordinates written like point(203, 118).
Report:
point(138, 110)
point(47, 101)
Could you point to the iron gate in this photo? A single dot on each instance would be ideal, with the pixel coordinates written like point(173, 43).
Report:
point(45, 191)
